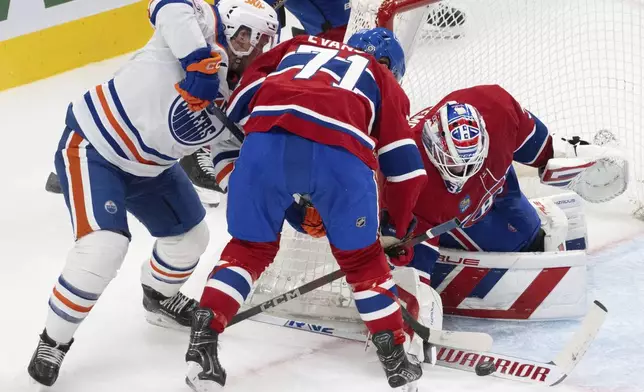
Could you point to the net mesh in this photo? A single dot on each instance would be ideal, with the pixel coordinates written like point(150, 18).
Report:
point(576, 64)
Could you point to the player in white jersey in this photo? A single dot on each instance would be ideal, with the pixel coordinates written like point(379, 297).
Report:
point(118, 154)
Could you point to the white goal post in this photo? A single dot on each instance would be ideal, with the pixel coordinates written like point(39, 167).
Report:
point(576, 64)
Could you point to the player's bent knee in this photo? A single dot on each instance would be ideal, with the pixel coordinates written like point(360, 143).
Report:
point(182, 250)
point(95, 259)
point(253, 257)
point(362, 265)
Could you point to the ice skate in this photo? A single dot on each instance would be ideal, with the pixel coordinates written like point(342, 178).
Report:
point(174, 312)
point(400, 371)
point(205, 373)
point(201, 172)
point(45, 363)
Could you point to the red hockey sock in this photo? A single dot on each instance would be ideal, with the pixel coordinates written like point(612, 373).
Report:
point(231, 281)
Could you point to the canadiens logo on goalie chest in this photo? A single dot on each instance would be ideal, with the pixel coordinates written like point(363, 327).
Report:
point(191, 128)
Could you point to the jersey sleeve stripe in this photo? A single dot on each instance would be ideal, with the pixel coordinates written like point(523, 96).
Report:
point(393, 145)
point(225, 171)
point(238, 107)
point(312, 116)
point(234, 154)
point(155, 6)
point(407, 176)
point(400, 160)
point(534, 129)
point(372, 106)
point(534, 144)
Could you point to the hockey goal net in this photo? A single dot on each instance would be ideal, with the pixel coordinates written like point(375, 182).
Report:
point(576, 64)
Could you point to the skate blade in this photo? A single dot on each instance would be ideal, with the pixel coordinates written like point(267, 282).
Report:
point(208, 197)
point(164, 322)
point(196, 384)
point(35, 386)
point(411, 387)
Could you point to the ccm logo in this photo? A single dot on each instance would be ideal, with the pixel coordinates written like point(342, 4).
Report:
point(457, 260)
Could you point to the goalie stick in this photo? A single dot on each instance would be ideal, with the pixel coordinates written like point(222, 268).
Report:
point(507, 367)
point(525, 370)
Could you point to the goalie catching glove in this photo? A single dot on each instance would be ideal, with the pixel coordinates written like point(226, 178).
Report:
point(397, 254)
point(201, 84)
point(597, 172)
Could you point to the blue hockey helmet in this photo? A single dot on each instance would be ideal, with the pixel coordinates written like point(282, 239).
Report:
point(381, 42)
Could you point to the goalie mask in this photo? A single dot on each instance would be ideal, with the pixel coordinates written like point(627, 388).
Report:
point(456, 143)
point(249, 26)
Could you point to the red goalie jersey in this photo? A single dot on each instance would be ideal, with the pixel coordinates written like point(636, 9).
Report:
point(514, 135)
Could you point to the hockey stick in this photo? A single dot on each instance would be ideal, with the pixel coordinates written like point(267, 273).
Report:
point(287, 296)
point(525, 370)
point(228, 123)
point(459, 340)
point(463, 340)
point(504, 366)
point(326, 279)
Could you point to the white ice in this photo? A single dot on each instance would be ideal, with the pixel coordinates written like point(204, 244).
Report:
point(117, 350)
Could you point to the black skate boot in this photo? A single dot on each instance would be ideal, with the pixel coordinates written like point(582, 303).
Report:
point(199, 168)
point(204, 369)
point(174, 312)
point(45, 363)
point(398, 368)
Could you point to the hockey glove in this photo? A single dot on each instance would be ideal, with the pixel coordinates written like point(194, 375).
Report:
point(312, 222)
point(201, 84)
point(398, 255)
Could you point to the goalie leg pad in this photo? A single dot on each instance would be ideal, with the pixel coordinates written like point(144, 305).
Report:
point(553, 222)
point(91, 264)
point(553, 210)
point(174, 259)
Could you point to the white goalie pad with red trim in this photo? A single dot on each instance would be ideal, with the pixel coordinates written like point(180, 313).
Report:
point(521, 285)
point(515, 286)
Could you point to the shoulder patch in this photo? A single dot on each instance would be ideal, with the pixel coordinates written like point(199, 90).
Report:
point(464, 204)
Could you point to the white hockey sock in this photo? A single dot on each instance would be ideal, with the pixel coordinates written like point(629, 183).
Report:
point(174, 259)
point(91, 264)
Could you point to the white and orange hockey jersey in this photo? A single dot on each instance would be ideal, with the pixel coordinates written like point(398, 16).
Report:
point(137, 120)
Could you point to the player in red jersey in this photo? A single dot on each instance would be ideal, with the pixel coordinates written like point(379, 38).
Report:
point(468, 142)
point(320, 118)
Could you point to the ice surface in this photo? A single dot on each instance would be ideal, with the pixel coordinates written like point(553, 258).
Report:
point(116, 350)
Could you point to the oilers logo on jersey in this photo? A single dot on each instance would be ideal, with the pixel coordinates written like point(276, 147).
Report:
point(191, 128)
